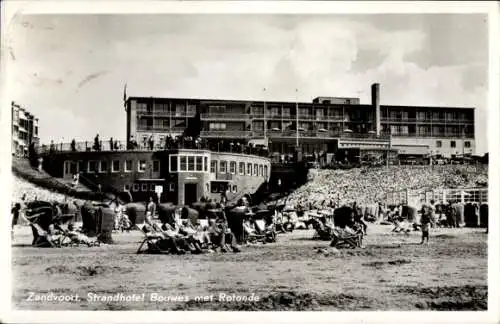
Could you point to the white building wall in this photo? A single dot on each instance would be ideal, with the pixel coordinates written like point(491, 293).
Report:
point(432, 142)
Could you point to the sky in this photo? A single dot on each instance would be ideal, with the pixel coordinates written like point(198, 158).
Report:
point(70, 70)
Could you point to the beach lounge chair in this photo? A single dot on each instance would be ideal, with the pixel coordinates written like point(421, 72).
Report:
point(155, 243)
point(345, 238)
point(42, 237)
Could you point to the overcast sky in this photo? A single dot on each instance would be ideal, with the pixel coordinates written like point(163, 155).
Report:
point(70, 70)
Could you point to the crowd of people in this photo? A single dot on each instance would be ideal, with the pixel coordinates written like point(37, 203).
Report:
point(368, 186)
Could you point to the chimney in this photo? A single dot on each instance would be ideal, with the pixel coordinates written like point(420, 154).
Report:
point(376, 106)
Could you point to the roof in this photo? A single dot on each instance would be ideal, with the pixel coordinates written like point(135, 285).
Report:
point(249, 101)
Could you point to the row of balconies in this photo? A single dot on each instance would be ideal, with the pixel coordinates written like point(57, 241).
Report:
point(270, 116)
point(434, 121)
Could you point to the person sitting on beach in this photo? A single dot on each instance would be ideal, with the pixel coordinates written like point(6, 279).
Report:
point(77, 237)
point(53, 234)
point(189, 234)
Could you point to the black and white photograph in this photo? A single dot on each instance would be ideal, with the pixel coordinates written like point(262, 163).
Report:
point(255, 161)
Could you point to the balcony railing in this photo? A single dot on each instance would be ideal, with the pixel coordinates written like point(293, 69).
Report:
point(165, 113)
point(225, 116)
point(319, 134)
point(160, 128)
point(224, 145)
point(226, 134)
point(425, 121)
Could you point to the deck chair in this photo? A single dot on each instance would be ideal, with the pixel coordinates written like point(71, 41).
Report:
point(269, 234)
point(254, 236)
point(42, 238)
point(343, 238)
point(152, 240)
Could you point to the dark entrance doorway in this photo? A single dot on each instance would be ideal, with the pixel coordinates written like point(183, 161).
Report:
point(190, 193)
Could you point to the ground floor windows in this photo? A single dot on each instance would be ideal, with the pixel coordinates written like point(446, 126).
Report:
point(115, 166)
point(218, 186)
point(92, 167)
point(103, 166)
point(222, 166)
point(141, 166)
point(128, 166)
point(196, 163)
point(156, 166)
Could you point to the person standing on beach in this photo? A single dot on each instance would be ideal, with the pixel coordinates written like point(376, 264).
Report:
point(426, 222)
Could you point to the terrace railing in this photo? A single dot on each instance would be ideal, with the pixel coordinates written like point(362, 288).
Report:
point(223, 146)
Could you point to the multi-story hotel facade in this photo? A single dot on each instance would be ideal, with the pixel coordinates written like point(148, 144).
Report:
point(328, 124)
point(24, 130)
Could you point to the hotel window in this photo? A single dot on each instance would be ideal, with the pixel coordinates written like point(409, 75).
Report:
point(222, 166)
point(439, 144)
point(128, 166)
point(180, 110)
point(126, 187)
point(173, 163)
point(232, 167)
point(275, 111)
point(199, 163)
point(286, 112)
point(183, 166)
point(258, 125)
point(115, 166)
point(467, 144)
point(261, 173)
point(421, 115)
point(92, 166)
point(141, 166)
point(156, 166)
point(191, 109)
point(217, 126)
point(255, 169)
point(205, 164)
point(242, 168)
point(249, 169)
point(304, 112)
point(190, 160)
point(213, 166)
point(258, 110)
point(453, 144)
point(265, 171)
point(304, 126)
point(276, 125)
point(103, 166)
point(144, 187)
point(136, 187)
